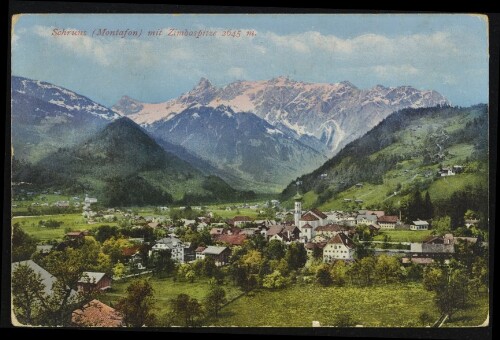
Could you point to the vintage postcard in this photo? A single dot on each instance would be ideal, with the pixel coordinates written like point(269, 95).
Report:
point(250, 170)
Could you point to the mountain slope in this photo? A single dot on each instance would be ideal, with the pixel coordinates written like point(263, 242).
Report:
point(401, 155)
point(46, 116)
point(122, 165)
point(240, 145)
point(329, 115)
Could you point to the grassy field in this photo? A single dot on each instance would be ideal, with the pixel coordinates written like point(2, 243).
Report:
point(242, 211)
point(444, 187)
point(393, 305)
point(474, 316)
point(21, 206)
point(166, 289)
point(403, 235)
point(377, 195)
point(71, 221)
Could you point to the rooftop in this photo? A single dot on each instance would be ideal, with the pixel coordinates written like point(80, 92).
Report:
point(309, 217)
point(47, 278)
point(319, 213)
point(419, 222)
point(341, 238)
point(96, 314)
point(235, 240)
point(214, 250)
point(388, 219)
point(91, 277)
point(331, 227)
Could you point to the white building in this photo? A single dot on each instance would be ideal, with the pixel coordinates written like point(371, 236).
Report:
point(366, 219)
point(339, 247)
point(90, 200)
point(174, 245)
point(388, 222)
point(419, 225)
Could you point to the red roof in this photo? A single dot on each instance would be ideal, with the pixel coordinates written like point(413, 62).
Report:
point(309, 217)
point(129, 251)
point(388, 219)
point(200, 249)
point(235, 230)
point(331, 227)
point(234, 240)
point(379, 213)
point(342, 239)
point(242, 219)
point(96, 314)
point(318, 213)
point(307, 226)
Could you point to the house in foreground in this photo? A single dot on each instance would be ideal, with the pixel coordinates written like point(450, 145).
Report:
point(93, 281)
point(96, 314)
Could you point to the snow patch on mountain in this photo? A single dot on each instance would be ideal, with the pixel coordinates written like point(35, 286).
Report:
point(274, 131)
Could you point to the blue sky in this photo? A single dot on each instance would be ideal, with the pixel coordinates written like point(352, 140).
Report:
point(446, 53)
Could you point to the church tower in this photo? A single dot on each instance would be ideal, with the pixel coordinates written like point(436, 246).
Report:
point(298, 208)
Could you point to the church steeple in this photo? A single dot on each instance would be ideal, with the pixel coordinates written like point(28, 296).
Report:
point(298, 208)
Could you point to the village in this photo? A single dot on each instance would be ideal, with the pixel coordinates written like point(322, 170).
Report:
point(178, 239)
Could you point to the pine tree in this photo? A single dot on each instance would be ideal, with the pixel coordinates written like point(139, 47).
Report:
point(428, 207)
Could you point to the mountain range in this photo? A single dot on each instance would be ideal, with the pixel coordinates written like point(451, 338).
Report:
point(258, 134)
point(250, 136)
point(61, 139)
point(329, 116)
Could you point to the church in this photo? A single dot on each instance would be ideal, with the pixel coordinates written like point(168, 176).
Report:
point(309, 221)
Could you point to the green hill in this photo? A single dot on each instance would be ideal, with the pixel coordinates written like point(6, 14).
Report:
point(400, 156)
point(123, 166)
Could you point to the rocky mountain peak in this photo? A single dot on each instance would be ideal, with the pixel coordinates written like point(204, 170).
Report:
point(127, 106)
point(203, 84)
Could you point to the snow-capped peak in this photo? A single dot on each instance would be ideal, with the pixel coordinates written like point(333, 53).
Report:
point(65, 99)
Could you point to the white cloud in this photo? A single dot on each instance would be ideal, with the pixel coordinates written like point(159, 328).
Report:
point(77, 44)
point(237, 73)
point(437, 60)
point(385, 71)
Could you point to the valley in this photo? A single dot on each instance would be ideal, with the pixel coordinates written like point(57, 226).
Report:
point(221, 203)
